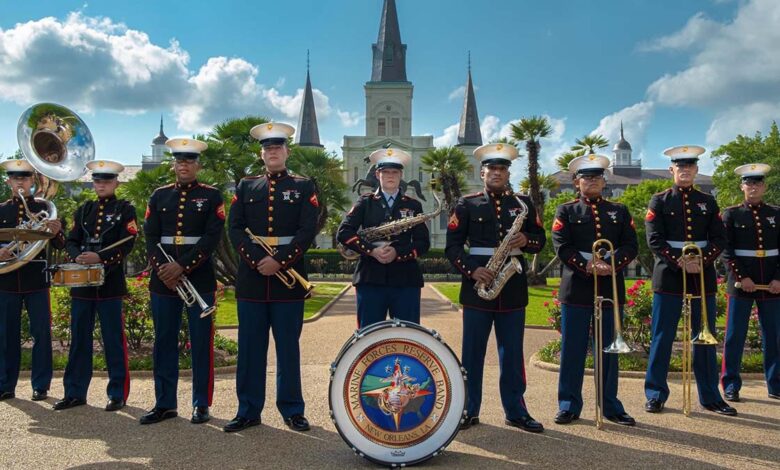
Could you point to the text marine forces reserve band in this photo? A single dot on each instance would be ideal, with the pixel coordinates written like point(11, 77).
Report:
point(184, 221)
point(498, 227)
point(387, 277)
point(753, 233)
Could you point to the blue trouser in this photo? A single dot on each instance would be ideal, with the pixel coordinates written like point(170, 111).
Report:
point(374, 302)
point(285, 319)
point(167, 316)
point(39, 312)
point(667, 309)
point(78, 372)
point(510, 327)
point(575, 334)
point(737, 320)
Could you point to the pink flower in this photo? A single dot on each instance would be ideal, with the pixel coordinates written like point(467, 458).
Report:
point(719, 281)
point(646, 320)
point(554, 293)
point(547, 304)
point(188, 346)
point(630, 303)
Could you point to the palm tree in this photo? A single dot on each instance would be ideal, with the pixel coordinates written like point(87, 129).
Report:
point(447, 165)
point(548, 182)
point(563, 160)
point(589, 144)
point(531, 130)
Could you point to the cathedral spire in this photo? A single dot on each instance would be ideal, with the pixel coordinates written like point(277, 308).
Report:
point(469, 132)
point(161, 138)
point(308, 134)
point(389, 64)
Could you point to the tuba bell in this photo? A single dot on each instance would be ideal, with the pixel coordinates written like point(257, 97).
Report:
point(58, 145)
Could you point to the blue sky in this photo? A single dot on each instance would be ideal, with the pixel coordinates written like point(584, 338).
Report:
point(676, 72)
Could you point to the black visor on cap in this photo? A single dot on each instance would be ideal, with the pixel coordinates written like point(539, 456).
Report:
point(757, 178)
point(386, 165)
point(590, 171)
point(19, 173)
point(686, 161)
point(103, 176)
point(496, 161)
point(186, 155)
point(273, 141)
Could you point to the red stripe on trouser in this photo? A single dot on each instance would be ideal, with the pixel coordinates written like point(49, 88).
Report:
point(211, 363)
point(127, 360)
point(725, 334)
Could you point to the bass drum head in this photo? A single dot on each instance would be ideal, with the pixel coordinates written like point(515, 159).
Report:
point(397, 393)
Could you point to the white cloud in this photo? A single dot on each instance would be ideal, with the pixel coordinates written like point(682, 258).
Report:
point(489, 128)
point(745, 120)
point(735, 63)
point(448, 138)
point(457, 93)
point(349, 118)
point(635, 118)
point(94, 63)
point(696, 30)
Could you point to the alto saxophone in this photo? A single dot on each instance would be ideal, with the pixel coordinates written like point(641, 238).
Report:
point(498, 264)
point(390, 229)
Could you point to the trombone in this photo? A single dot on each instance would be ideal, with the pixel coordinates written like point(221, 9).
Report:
point(619, 345)
point(187, 291)
point(692, 252)
point(289, 276)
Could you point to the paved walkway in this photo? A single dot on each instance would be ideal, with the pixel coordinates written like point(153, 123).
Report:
point(34, 436)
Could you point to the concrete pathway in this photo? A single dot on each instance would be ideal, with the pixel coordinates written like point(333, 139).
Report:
point(34, 436)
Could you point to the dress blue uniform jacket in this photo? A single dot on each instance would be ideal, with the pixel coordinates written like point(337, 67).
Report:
point(272, 205)
point(371, 210)
point(189, 210)
point(482, 220)
point(98, 224)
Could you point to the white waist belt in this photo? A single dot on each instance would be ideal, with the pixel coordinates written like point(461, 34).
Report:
point(589, 256)
point(676, 244)
point(276, 241)
point(485, 251)
point(179, 240)
point(757, 253)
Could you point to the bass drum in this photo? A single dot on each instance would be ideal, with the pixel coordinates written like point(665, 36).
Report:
point(397, 393)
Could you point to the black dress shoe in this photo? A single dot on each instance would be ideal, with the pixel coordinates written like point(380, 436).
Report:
point(565, 417)
point(731, 396)
point(297, 423)
point(114, 404)
point(776, 396)
point(721, 408)
point(526, 423)
point(39, 395)
point(7, 395)
point(469, 421)
point(239, 423)
point(623, 419)
point(157, 415)
point(654, 405)
point(69, 402)
point(200, 414)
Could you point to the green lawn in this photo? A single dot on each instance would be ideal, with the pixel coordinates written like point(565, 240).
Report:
point(227, 314)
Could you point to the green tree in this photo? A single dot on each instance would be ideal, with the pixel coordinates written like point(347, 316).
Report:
point(563, 160)
point(548, 253)
point(531, 130)
point(589, 144)
point(637, 198)
point(548, 182)
point(447, 165)
point(741, 151)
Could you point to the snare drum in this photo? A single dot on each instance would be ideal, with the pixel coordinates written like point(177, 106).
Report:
point(397, 393)
point(78, 275)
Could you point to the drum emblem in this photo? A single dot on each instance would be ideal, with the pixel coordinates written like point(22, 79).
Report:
point(393, 399)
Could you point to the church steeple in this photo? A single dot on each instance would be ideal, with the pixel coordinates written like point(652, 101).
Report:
point(389, 63)
point(469, 132)
point(308, 134)
point(161, 138)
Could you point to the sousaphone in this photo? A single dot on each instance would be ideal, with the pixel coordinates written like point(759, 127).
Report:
point(58, 145)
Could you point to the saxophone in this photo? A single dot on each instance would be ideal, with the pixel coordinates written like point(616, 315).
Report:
point(390, 229)
point(498, 264)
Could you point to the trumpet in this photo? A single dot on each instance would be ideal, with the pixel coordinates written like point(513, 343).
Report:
point(691, 251)
point(289, 276)
point(187, 291)
point(619, 345)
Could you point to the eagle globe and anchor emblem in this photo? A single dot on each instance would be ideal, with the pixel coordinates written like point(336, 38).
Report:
point(397, 393)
